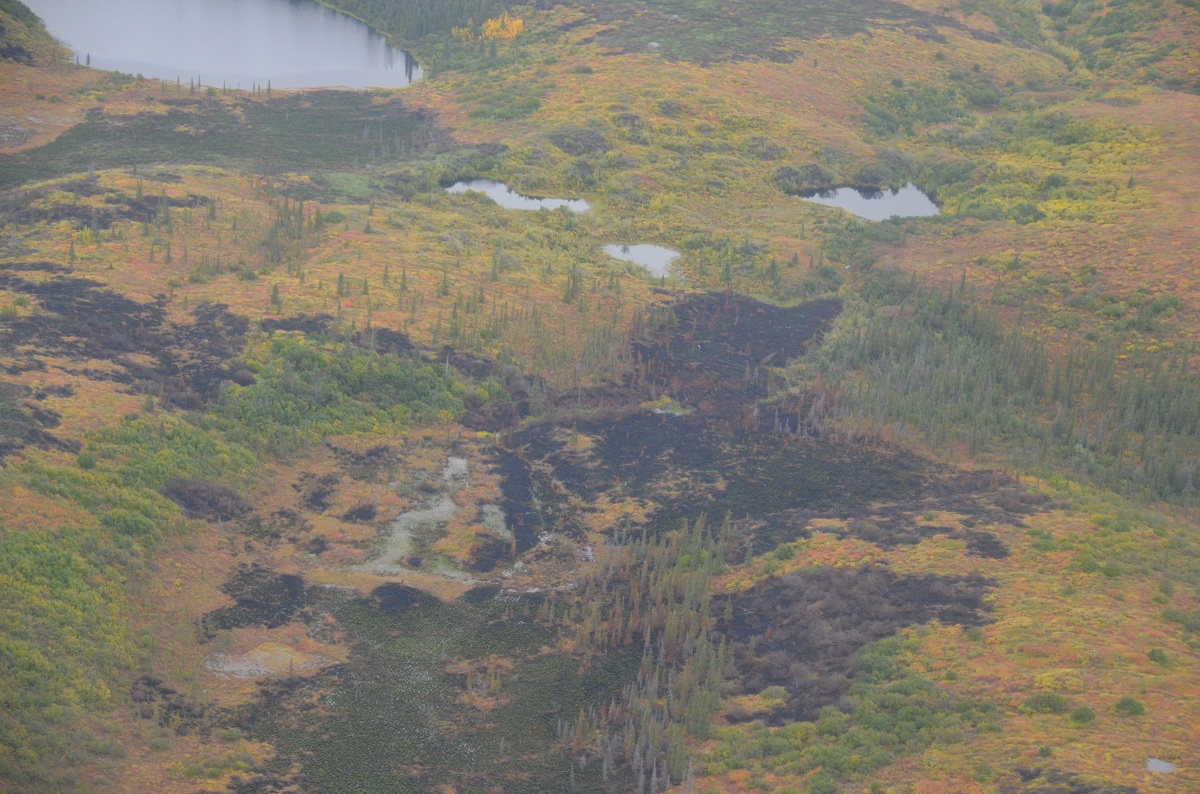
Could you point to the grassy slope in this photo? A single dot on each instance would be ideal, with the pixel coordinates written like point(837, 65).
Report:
point(689, 168)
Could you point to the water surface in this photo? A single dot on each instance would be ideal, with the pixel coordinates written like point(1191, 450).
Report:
point(436, 512)
point(239, 43)
point(877, 205)
point(510, 199)
point(655, 258)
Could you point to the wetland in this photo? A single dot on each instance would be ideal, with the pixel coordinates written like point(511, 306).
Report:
point(876, 204)
point(656, 259)
point(510, 199)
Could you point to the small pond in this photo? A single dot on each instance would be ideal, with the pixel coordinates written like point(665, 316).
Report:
point(655, 258)
point(877, 204)
point(238, 43)
point(510, 199)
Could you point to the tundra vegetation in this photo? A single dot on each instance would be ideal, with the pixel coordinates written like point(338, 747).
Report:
point(315, 476)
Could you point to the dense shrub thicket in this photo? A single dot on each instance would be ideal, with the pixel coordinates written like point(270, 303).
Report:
point(305, 391)
point(941, 366)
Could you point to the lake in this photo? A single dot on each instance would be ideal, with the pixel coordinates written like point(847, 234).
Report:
point(238, 43)
point(655, 258)
point(510, 199)
point(877, 205)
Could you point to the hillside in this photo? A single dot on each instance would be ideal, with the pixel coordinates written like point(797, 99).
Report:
point(318, 476)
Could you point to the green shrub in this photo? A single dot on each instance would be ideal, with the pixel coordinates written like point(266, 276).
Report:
point(1047, 703)
point(823, 784)
point(306, 391)
point(774, 693)
point(1083, 716)
point(1130, 707)
point(1158, 656)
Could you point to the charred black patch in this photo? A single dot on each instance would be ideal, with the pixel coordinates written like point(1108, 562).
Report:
point(977, 499)
point(35, 267)
point(480, 595)
point(738, 451)
point(360, 513)
point(704, 33)
point(282, 523)
point(711, 350)
point(82, 321)
point(492, 416)
point(526, 518)
point(373, 465)
point(208, 500)
point(319, 130)
point(116, 207)
point(685, 465)
point(24, 423)
point(315, 325)
point(801, 631)
point(488, 552)
point(194, 366)
point(385, 341)
point(317, 492)
point(985, 544)
point(399, 598)
point(1052, 781)
point(264, 598)
point(154, 700)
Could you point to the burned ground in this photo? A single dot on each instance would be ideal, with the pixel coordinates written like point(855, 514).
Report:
point(80, 320)
point(23, 423)
point(22, 208)
point(208, 500)
point(397, 597)
point(977, 500)
point(168, 707)
point(685, 466)
point(385, 341)
point(523, 509)
point(280, 524)
point(487, 552)
point(773, 486)
point(83, 322)
point(737, 450)
point(711, 351)
point(316, 491)
point(310, 325)
point(705, 33)
point(1052, 781)
point(310, 130)
point(802, 631)
point(263, 598)
point(361, 513)
point(374, 465)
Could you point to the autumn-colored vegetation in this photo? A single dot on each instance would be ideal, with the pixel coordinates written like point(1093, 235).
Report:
point(233, 369)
